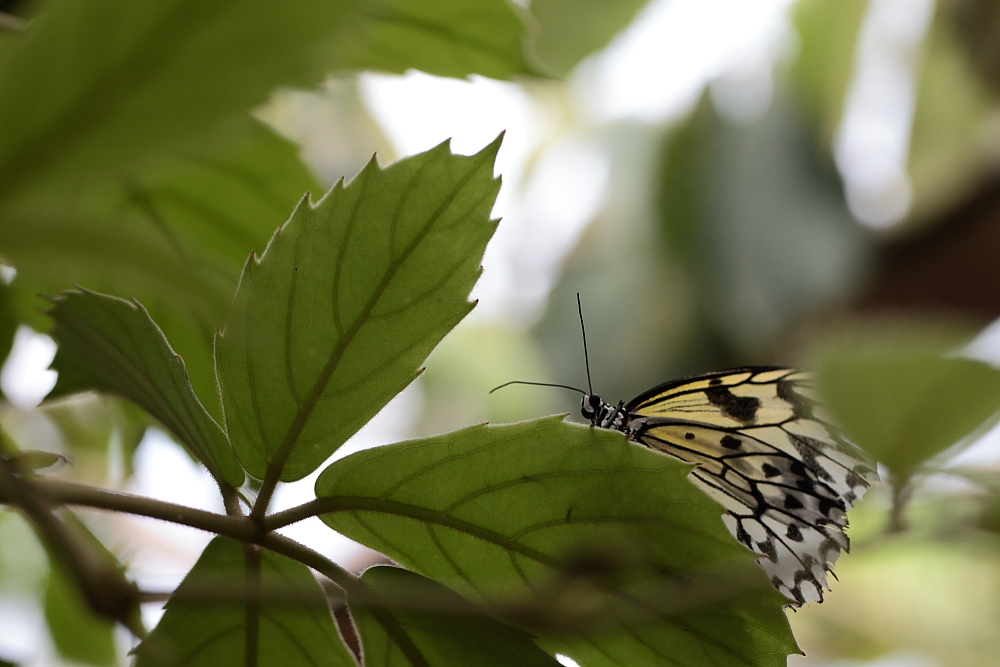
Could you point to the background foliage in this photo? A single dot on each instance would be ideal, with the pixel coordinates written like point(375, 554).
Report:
point(143, 170)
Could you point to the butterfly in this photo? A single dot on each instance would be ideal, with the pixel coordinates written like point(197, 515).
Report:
point(763, 449)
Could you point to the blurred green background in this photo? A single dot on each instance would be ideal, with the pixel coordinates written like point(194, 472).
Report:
point(809, 183)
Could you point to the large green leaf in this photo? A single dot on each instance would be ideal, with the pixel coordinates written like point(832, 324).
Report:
point(98, 87)
point(898, 397)
point(578, 517)
point(175, 239)
point(205, 622)
point(443, 627)
point(95, 88)
point(111, 345)
point(347, 301)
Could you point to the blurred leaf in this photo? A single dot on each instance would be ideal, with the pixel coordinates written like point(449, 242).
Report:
point(898, 398)
point(978, 26)
point(633, 344)
point(103, 101)
point(386, 266)
point(461, 634)
point(34, 460)
point(89, 424)
point(760, 225)
point(8, 322)
point(23, 566)
point(823, 69)
point(610, 538)
point(466, 365)
point(954, 127)
point(446, 37)
point(108, 344)
point(175, 239)
point(78, 634)
point(933, 600)
point(569, 30)
point(198, 631)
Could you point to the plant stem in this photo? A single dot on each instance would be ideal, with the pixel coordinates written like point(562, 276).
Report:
point(237, 528)
point(244, 529)
point(104, 588)
point(293, 515)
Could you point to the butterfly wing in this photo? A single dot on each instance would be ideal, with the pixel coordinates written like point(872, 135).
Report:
point(764, 450)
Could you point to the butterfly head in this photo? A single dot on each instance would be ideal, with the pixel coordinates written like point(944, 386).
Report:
point(602, 415)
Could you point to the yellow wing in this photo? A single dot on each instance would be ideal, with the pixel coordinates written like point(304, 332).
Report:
point(765, 451)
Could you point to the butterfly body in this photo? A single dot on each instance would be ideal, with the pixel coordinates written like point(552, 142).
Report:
point(762, 448)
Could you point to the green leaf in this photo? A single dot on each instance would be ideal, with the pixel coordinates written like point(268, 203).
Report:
point(569, 30)
point(111, 345)
point(446, 37)
point(443, 627)
point(175, 239)
point(79, 635)
point(349, 298)
point(576, 522)
point(79, 100)
point(205, 622)
point(899, 399)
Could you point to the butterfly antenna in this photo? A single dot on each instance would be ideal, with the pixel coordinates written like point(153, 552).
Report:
point(586, 357)
point(537, 384)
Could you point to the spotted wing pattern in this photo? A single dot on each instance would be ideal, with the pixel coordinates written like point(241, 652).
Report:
point(764, 450)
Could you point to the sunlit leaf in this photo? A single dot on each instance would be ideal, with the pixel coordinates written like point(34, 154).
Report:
point(351, 295)
point(573, 524)
point(205, 622)
point(900, 398)
point(111, 345)
point(442, 627)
